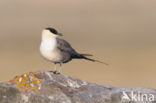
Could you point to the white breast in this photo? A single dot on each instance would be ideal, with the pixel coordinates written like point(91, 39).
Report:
point(49, 50)
point(48, 44)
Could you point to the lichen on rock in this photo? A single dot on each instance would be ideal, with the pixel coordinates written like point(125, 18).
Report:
point(27, 81)
point(47, 87)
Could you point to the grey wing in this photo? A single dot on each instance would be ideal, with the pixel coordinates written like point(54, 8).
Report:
point(64, 46)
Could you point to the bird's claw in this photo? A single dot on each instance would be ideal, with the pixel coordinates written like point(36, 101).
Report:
point(58, 73)
point(55, 72)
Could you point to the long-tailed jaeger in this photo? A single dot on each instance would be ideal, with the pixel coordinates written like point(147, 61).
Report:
point(58, 50)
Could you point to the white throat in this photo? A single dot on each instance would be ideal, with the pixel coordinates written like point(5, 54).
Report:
point(48, 43)
point(47, 34)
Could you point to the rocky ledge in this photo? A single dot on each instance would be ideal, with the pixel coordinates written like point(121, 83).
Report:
point(47, 87)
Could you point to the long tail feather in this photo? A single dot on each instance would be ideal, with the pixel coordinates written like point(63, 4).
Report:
point(94, 60)
point(86, 54)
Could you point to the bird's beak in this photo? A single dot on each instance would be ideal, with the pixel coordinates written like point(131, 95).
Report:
point(60, 34)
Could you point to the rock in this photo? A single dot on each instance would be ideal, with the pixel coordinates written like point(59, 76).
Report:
point(47, 87)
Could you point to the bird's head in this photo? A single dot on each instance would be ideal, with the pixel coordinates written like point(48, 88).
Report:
point(50, 33)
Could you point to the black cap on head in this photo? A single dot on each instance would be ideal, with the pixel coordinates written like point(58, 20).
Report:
point(52, 30)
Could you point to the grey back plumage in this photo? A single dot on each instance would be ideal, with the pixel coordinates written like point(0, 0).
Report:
point(66, 48)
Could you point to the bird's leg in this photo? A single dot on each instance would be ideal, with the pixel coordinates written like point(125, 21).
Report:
point(55, 68)
point(60, 68)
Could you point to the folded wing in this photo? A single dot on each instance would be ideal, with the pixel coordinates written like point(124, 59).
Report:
point(64, 46)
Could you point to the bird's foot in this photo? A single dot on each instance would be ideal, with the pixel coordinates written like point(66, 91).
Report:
point(55, 72)
point(58, 73)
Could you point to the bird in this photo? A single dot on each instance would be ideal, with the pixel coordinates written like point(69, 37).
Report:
point(57, 50)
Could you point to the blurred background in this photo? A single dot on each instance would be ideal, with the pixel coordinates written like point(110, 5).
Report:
point(119, 32)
